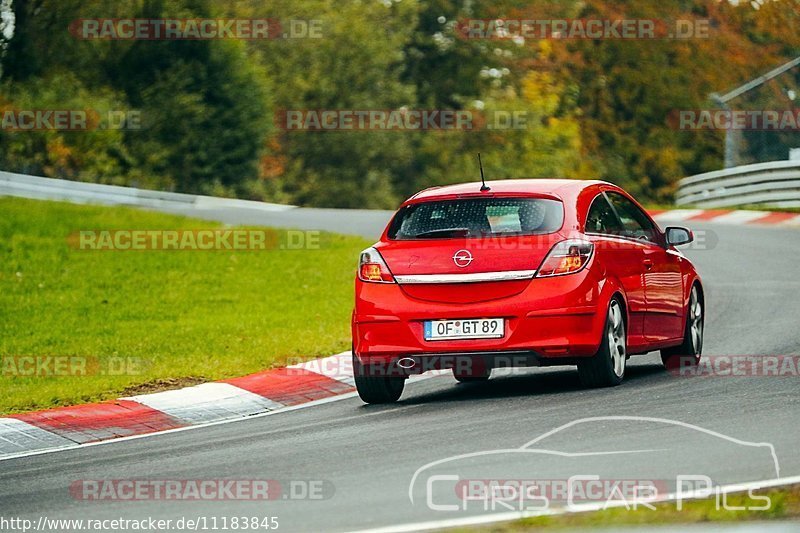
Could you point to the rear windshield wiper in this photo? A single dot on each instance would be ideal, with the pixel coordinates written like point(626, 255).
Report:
point(455, 232)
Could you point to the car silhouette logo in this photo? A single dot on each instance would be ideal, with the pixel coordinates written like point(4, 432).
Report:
point(462, 258)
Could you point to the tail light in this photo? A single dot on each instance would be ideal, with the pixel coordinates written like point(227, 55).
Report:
point(372, 267)
point(566, 257)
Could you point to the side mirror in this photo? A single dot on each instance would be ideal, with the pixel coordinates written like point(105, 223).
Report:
point(677, 235)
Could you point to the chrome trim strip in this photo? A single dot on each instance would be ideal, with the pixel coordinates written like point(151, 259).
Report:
point(508, 275)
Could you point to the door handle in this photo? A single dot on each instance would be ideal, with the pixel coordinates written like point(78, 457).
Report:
point(648, 264)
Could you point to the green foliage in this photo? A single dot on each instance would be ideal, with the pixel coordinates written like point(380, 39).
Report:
point(203, 119)
point(356, 64)
point(629, 89)
point(204, 105)
point(592, 108)
point(92, 155)
point(543, 140)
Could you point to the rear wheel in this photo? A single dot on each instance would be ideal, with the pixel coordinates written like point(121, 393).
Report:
point(688, 353)
point(607, 367)
point(376, 389)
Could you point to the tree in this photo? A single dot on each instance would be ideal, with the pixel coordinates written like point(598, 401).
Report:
point(355, 65)
point(204, 104)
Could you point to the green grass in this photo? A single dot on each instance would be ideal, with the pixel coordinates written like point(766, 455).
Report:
point(785, 505)
point(188, 316)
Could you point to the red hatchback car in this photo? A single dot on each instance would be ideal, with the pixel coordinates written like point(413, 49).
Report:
point(522, 273)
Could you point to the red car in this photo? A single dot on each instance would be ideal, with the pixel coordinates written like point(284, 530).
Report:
point(522, 273)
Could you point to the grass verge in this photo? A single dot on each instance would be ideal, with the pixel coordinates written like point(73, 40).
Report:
point(148, 320)
point(784, 505)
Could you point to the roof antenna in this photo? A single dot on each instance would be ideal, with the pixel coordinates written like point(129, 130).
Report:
point(483, 181)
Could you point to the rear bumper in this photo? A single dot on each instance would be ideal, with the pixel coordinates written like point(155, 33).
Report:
point(552, 319)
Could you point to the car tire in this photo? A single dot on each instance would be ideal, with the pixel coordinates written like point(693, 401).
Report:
point(607, 367)
point(376, 389)
point(690, 350)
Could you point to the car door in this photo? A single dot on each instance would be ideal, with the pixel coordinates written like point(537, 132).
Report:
point(623, 259)
point(663, 285)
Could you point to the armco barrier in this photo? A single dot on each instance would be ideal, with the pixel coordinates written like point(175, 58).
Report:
point(773, 184)
point(79, 192)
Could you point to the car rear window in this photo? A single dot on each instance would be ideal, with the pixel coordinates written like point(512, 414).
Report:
point(477, 217)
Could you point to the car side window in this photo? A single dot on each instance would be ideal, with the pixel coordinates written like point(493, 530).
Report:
point(601, 218)
point(635, 223)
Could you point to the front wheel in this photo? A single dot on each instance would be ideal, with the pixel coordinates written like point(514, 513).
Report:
point(376, 389)
point(688, 353)
point(607, 367)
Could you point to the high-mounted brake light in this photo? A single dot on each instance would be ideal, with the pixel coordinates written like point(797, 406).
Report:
point(372, 267)
point(566, 257)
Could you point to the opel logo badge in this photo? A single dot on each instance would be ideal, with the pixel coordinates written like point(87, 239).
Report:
point(462, 258)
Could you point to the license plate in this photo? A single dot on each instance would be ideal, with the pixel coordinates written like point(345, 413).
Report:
point(470, 328)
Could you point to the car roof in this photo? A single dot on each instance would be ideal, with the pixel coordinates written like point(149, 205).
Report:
point(545, 186)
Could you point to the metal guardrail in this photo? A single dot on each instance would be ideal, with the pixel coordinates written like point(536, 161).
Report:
point(773, 184)
point(24, 186)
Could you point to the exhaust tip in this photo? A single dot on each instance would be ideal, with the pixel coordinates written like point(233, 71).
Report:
point(406, 362)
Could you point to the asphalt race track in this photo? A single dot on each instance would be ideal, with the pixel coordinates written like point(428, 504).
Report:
point(367, 455)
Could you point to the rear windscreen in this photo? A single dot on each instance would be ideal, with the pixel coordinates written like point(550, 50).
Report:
point(477, 217)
